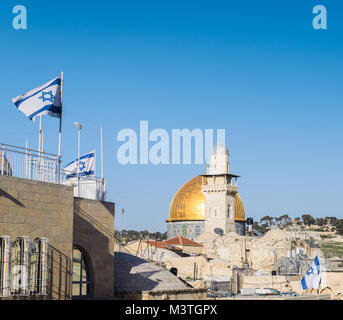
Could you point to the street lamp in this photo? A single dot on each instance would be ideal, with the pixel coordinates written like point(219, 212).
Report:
point(78, 127)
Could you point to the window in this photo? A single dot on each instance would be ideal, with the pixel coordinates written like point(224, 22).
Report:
point(81, 274)
point(20, 266)
point(39, 267)
point(5, 275)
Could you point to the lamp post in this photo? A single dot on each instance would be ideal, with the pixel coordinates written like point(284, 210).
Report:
point(78, 127)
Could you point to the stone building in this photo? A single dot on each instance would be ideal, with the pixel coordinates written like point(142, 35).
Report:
point(208, 202)
point(53, 245)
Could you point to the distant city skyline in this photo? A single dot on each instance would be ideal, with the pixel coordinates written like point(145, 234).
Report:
point(259, 70)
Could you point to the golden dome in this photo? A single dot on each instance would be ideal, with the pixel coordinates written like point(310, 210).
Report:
point(239, 208)
point(189, 203)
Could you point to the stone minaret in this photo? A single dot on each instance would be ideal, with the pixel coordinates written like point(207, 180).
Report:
point(219, 192)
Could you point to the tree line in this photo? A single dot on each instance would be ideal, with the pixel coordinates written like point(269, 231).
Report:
point(267, 222)
point(131, 235)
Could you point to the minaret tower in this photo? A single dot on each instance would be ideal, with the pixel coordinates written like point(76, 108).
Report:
point(219, 190)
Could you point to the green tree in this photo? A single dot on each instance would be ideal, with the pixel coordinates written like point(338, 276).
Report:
point(320, 221)
point(261, 228)
point(268, 220)
point(283, 220)
point(333, 220)
point(308, 219)
point(339, 226)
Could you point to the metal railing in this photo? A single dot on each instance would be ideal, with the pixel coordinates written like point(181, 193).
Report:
point(29, 164)
point(42, 166)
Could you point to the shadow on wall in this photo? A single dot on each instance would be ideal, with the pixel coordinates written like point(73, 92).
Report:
point(60, 272)
point(97, 242)
point(132, 282)
point(109, 233)
point(3, 193)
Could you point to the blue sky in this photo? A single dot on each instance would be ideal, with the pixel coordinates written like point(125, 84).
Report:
point(256, 68)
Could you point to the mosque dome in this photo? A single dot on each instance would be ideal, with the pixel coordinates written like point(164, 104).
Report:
point(189, 203)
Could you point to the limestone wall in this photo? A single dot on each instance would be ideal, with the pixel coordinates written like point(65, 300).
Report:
point(40, 209)
point(261, 253)
point(93, 232)
point(280, 283)
point(185, 267)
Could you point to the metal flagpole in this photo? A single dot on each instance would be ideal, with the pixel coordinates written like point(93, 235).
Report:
point(78, 162)
point(26, 158)
point(40, 133)
point(42, 141)
point(102, 159)
point(60, 131)
point(78, 127)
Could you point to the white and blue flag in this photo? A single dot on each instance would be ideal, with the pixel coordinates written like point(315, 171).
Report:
point(86, 167)
point(312, 278)
point(44, 100)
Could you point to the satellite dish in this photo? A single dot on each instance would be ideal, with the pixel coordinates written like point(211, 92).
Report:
point(218, 231)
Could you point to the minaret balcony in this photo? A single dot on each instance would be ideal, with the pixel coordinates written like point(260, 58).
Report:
point(219, 187)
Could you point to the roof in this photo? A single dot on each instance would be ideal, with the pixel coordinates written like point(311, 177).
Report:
point(158, 244)
point(161, 245)
point(180, 240)
point(134, 274)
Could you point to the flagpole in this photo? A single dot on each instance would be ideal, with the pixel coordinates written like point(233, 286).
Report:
point(78, 162)
point(40, 133)
point(26, 158)
point(60, 130)
point(101, 153)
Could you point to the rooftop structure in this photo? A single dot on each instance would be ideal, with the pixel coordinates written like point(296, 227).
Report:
point(46, 167)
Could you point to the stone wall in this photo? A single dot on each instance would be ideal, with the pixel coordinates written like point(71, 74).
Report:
point(280, 283)
point(93, 232)
point(39, 209)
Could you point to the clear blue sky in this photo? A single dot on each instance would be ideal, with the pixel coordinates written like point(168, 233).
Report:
point(256, 68)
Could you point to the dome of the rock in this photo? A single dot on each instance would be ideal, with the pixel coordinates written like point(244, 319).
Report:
point(189, 203)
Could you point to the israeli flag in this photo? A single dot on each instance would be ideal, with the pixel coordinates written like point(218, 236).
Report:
point(44, 100)
point(86, 167)
point(312, 278)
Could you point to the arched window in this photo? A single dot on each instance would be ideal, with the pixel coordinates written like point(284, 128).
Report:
point(20, 266)
point(39, 267)
point(5, 275)
point(81, 274)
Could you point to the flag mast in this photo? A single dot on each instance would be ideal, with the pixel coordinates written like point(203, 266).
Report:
point(40, 133)
point(102, 162)
point(60, 130)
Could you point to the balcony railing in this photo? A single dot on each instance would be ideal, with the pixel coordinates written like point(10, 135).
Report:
point(214, 187)
point(29, 164)
point(42, 166)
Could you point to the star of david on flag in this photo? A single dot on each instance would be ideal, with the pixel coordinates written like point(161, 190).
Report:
point(86, 167)
point(312, 278)
point(44, 100)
